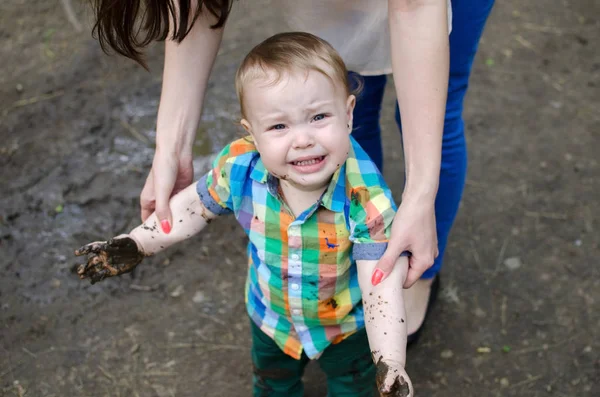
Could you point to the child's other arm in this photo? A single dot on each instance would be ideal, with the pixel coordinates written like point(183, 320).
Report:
point(123, 253)
point(385, 321)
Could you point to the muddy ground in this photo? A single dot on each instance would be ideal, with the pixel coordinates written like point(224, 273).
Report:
point(520, 307)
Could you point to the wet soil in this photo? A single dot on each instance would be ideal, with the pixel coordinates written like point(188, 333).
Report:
point(520, 301)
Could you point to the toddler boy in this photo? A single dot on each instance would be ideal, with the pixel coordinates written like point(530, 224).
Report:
point(317, 213)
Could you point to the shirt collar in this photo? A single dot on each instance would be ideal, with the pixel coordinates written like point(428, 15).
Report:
point(259, 172)
point(333, 198)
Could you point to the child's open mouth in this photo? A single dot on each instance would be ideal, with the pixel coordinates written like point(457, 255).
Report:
point(308, 165)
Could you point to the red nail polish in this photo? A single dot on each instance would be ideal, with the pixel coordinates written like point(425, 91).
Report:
point(377, 276)
point(166, 226)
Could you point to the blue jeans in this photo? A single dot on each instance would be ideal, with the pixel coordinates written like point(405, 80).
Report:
point(468, 21)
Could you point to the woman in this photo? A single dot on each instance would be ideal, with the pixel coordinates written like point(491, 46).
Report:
point(408, 38)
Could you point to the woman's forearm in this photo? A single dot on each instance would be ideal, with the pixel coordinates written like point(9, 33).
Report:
point(185, 78)
point(420, 64)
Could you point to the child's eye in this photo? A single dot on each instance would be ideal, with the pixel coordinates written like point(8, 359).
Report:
point(319, 117)
point(277, 127)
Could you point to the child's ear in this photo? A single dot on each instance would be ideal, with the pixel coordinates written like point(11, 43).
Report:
point(350, 103)
point(246, 124)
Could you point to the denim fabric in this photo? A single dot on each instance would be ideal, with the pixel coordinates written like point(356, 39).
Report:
point(469, 19)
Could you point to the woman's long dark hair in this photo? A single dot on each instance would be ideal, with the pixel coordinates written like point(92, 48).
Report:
point(126, 26)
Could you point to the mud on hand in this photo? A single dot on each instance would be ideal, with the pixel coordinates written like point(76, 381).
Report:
point(392, 380)
point(109, 258)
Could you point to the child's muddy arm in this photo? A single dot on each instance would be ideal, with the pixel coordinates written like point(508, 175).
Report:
point(385, 321)
point(189, 217)
point(123, 253)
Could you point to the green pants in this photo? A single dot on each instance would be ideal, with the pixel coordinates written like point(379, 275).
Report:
point(348, 365)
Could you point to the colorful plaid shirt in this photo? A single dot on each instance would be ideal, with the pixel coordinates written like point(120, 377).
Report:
point(302, 285)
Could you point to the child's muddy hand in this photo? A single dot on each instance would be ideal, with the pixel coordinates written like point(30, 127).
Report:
point(392, 380)
point(109, 258)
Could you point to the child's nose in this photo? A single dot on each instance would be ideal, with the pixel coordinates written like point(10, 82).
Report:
point(303, 138)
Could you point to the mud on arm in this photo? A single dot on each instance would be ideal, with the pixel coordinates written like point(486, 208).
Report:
point(385, 321)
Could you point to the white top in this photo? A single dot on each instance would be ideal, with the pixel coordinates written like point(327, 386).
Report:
point(357, 29)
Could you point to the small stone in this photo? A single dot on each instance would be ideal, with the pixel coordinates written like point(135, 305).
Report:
point(170, 364)
point(55, 283)
point(575, 381)
point(515, 231)
point(545, 277)
point(447, 354)
point(19, 87)
point(568, 156)
point(198, 297)
point(504, 382)
point(587, 349)
point(543, 164)
point(177, 292)
point(134, 349)
point(513, 263)
point(578, 243)
point(549, 388)
point(479, 313)
point(556, 104)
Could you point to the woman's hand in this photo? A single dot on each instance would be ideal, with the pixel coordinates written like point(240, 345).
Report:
point(413, 230)
point(168, 176)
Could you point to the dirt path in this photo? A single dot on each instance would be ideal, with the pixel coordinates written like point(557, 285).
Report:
point(520, 307)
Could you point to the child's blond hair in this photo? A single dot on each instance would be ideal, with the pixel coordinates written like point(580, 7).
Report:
point(290, 51)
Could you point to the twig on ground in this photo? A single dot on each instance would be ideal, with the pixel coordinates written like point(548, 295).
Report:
point(135, 133)
point(68, 7)
point(501, 253)
point(525, 382)
point(525, 43)
point(159, 373)
point(545, 346)
point(106, 373)
point(547, 215)
point(216, 320)
point(205, 345)
point(145, 288)
point(29, 352)
point(31, 101)
point(503, 313)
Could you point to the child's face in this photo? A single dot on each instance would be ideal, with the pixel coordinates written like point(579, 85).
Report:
point(300, 126)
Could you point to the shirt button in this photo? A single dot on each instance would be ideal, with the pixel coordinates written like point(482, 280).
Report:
point(295, 287)
point(295, 257)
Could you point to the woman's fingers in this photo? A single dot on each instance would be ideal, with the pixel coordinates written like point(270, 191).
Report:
point(386, 264)
point(165, 173)
point(420, 261)
point(147, 201)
